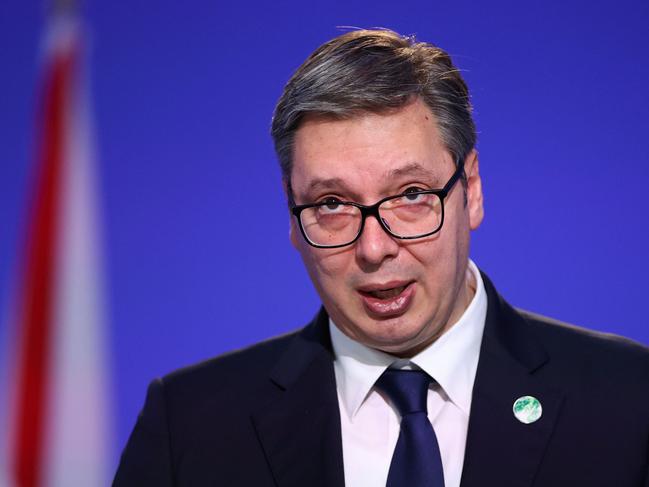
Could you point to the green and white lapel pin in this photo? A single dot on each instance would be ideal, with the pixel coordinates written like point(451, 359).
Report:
point(527, 409)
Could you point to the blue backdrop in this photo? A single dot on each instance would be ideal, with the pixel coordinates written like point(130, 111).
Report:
point(196, 228)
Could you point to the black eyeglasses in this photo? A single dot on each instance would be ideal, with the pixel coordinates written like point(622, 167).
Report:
point(412, 214)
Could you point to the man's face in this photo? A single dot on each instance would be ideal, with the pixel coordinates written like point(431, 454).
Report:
point(389, 294)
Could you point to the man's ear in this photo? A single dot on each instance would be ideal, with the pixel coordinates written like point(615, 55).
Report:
point(474, 190)
point(292, 229)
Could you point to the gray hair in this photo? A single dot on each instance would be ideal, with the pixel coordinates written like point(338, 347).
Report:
point(374, 71)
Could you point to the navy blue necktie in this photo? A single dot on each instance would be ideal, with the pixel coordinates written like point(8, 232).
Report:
point(416, 461)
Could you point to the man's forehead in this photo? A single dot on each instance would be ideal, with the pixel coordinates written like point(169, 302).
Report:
point(374, 148)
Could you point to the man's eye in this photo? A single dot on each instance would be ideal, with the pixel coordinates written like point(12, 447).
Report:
point(413, 194)
point(331, 205)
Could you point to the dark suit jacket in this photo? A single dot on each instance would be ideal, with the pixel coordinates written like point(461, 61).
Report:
point(268, 415)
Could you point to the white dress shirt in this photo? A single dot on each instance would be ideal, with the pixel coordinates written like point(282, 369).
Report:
point(370, 425)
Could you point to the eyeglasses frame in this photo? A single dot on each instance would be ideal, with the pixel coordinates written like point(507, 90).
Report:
point(373, 210)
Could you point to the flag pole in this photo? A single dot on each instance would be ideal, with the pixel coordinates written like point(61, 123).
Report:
point(59, 420)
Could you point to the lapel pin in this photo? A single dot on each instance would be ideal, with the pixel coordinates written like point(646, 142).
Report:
point(527, 409)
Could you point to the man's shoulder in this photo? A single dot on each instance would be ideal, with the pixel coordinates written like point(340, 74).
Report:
point(244, 365)
point(246, 379)
point(567, 343)
point(573, 347)
point(568, 333)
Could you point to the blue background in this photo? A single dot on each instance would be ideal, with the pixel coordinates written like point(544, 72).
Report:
point(196, 229)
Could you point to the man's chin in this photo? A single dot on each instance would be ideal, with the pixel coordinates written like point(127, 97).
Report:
point(407, 343)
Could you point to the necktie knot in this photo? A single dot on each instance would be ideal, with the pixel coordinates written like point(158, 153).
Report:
point(407, 389)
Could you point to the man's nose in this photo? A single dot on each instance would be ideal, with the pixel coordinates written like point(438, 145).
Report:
point(375, 244)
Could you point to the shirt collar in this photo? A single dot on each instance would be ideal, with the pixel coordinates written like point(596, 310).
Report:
point(452, 360)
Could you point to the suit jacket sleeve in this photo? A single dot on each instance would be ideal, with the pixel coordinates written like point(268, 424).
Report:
point(146, 460)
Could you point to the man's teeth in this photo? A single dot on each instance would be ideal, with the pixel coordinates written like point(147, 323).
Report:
point(388, 293)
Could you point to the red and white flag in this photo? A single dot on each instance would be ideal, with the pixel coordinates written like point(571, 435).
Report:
point(56, 428)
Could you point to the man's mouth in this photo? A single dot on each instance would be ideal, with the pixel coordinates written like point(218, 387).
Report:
point(387, 300)
point(387, 293)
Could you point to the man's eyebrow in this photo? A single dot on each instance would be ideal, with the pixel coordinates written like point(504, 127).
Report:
point(410, 169)
point(326, 183)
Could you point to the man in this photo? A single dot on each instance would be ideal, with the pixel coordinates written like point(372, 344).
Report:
point(415, 372)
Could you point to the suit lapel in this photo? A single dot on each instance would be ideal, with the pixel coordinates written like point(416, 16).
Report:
point(500, 449)
point(300, 428)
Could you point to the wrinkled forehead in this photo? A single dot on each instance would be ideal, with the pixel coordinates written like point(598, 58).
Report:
point(370, 151)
